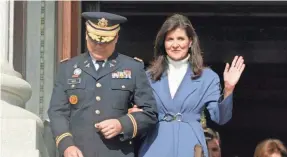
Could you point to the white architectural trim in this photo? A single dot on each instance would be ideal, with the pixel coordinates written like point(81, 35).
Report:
point(11, 32)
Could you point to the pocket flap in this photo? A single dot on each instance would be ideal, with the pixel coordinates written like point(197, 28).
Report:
point(122, 85)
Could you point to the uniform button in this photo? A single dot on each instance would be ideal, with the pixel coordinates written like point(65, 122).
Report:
point(130, 142)
point(98, 85)
point(98, 112)
point(98, 98)
point(123, 86)
point(73, 86)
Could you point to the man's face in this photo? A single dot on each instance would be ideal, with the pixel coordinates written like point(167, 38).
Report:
point(213, 148)
point(103, 48)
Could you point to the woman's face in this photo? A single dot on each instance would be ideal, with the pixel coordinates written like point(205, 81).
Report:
point(177, 44)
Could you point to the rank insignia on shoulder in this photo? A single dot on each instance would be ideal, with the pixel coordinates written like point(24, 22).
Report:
point(138, 59)
point(73, 99)
point(63, 60)
point(125, 74)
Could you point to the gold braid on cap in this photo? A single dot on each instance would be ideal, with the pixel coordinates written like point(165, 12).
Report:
point(100, 38)
point(103, 25)
point(101, 32)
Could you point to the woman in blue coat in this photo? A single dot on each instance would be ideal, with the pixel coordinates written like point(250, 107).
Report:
point(183, 87)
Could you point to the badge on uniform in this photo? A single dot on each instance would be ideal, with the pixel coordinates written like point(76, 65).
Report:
point(73, 99)
point(77, 72)
point(74, 81)
point(125, 74)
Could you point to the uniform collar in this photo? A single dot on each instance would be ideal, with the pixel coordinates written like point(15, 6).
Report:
point(112, 57)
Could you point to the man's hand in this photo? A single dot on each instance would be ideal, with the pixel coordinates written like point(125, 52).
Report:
point(134, 109)
point(73, 151)
point(109, 128)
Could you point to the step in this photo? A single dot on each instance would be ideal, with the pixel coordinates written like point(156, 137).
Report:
point(20, 134)
point(19, 153)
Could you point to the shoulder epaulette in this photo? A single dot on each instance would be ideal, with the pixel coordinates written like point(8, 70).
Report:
point(138, 59)
point(63, 60)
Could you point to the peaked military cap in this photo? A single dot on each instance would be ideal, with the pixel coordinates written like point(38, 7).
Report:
point(102, 27)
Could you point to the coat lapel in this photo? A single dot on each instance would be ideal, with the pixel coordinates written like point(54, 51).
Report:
point(86, 64)
point(186, 88)
point(161, 88)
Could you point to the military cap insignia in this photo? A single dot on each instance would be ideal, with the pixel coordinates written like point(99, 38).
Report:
point(73, 99)
point(102, 27)
point(103, 22)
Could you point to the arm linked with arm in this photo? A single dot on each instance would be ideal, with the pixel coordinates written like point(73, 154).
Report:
point(139, 122)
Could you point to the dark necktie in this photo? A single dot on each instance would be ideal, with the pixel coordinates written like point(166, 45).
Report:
point(100, 63)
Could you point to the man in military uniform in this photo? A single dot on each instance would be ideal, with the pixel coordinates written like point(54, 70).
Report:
point(93, 92)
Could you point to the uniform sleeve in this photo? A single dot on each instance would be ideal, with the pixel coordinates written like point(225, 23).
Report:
point(139, 122)
point(220, 111)
point(59, 113)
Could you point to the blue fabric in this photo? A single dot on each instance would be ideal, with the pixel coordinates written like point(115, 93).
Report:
point(177, 137)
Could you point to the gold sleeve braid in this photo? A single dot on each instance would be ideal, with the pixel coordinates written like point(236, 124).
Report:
point(134, 125)
point(61, 137)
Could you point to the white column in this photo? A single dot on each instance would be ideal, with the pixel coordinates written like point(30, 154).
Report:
point(20, 130)
point(4, 29)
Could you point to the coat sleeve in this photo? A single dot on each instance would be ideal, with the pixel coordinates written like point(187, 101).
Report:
point(220, 110)
point(139, 122)
point(59, 113)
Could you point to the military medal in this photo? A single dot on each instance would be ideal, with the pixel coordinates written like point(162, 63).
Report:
point(128, 74)
point(115, 75)
point(77, 72)
point(73, 99)
point(125, 74)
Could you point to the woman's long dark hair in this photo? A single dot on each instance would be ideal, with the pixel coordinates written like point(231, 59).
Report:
point(160, 62)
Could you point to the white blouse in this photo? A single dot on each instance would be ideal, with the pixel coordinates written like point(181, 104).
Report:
point(176, 72)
